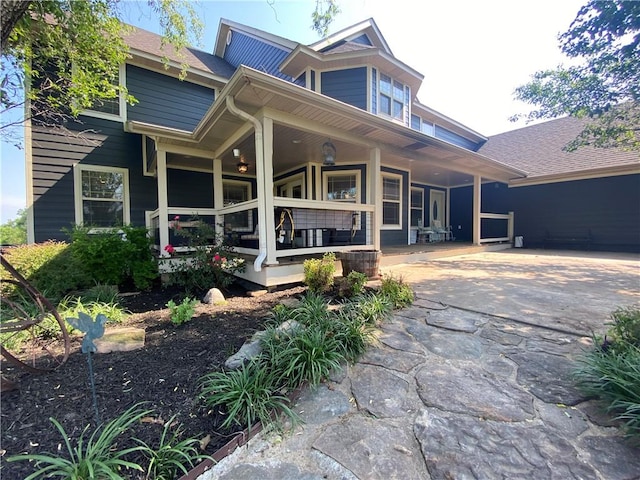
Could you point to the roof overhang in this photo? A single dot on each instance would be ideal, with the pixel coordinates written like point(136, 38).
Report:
point(609, 171)
point(298, 108)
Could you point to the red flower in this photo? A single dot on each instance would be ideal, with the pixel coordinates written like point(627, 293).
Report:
point(169, 249)
point(216, 257)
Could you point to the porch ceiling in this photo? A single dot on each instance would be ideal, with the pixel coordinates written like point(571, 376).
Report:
point(304, 120)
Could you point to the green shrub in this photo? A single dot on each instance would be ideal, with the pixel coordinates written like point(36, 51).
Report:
point(117, 256)
point(397, 291)
point(313, 309)
point(50, 267)
point(625, 328)
point(373, 308)
point(183, 312)
point(319, 273)
point(72, 306)
point(97, 457)
point(210, 262)
point(172, 456)
point(353, 333)
point(353, 284)
point(101, 293)
point(613, 375)
point(248, 395)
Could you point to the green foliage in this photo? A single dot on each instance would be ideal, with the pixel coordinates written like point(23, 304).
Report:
point(50, 267)
point(101, 293)
point(97, 457)
point(353, 284)
point(72, 52)
point(116, 256)
point(71, 306)
point(172, 456)
point(373, 308)
point(14, 232)
point(183, 312)
point(319, 273)
point(313, 309)
point(603, 86)
point(248, 394)
point(625, 328)
point(354, 333)
point(397, 291)
point(323, 16)
point(210, 263)
point(613, 375)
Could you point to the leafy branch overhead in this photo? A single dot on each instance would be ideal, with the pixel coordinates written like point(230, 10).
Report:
point(603, 82)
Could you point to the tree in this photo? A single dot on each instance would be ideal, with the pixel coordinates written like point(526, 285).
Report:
point(70, 50)
point(604, 83)
point(14, 232)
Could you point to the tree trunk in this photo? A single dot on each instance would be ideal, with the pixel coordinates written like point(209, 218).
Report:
point(11, 11)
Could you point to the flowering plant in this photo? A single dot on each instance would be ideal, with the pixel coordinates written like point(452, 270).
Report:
point(170, 249)
point(211, 262)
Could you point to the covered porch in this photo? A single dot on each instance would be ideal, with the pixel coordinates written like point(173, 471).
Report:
point(257, 169)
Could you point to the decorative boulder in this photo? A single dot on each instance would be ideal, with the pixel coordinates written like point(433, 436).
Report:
point(120, 340)
point(214, 296)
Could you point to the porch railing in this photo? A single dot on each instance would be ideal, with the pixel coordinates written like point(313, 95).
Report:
point(496, 224)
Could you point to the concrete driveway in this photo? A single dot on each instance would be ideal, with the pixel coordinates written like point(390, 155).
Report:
point(471, 382)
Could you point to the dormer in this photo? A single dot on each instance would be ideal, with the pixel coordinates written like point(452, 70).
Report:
point(357, 67)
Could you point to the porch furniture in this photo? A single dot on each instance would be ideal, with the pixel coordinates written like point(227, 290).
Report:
point(425, 235)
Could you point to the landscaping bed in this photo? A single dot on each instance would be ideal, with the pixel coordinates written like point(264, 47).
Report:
point(164, 373)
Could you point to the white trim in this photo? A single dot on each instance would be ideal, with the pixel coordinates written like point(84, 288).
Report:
point(246, 184)
point(175, 69)
point(298, 178)
point(395, 176)
point(411, 207)
point(28, 161)
point(575, 176)
point(78, 198)
point(122, 101)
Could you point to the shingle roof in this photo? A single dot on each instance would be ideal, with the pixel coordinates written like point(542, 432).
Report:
point(149, 42)
point(538, 149)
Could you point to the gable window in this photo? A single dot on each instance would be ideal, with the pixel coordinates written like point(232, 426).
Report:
point(110, 108)
point(417, 206)
point(422, 125)
point(391, 98)
point(234, 192)
point(342, 186)
point(391, 201)
point(101, 196)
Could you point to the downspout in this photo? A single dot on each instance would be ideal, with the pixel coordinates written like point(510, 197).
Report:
point(262, 227)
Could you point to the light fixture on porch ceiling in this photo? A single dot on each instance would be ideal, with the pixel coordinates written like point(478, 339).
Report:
point(242, 166)
point(328, 153)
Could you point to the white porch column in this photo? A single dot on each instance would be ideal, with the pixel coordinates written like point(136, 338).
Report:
point(374, 196)
point(264, 178)
point(477, 197)
point(163, 201)
point(218, 194)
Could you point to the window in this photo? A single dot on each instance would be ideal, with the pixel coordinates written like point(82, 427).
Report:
point(391, 200)
point(232, 194)
point(110, 108)
point(101, 196)
point(417, 207)
point(342, 186)
point(422, 125)
point(391, 99)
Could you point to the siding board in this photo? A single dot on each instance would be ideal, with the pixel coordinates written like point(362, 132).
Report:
point(348, 86)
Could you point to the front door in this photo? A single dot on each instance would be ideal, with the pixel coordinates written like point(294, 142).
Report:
point(436, 208)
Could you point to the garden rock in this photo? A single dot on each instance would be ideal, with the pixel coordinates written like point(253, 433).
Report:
point(213, 297)
point(120, 340)
point(252, 348)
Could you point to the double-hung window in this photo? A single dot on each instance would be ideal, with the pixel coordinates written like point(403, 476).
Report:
point(391, 201)
point(113, 108)
point(391, 100)
point(101, 196)
point(342, 186)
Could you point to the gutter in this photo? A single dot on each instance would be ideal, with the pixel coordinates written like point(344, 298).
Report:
point(262, 226)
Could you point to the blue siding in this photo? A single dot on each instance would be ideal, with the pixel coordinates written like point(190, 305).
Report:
point(454, 138)
point(166, 101)
point(348, 86)
point(374, 91)
point(54, 156)
point(254, 53)
point(189, 189)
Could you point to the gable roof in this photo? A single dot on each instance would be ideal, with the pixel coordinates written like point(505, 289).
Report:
point(367, 27)
point(538, 150)
point(143, 44)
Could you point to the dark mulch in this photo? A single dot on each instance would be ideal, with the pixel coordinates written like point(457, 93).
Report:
point(164, 373)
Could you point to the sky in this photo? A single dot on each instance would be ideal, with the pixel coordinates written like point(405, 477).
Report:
point(472, 53)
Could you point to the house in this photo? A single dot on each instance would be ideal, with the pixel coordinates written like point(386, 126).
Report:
point(289, 150)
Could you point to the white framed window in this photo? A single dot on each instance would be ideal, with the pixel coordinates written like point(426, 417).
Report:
point(111, 108)
point(291, 187)
point(391, 98)
point(391, 201)
point(342, 186)
point(417, 207)
point(101, 196)
point(234, 192)
point(418, 123)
